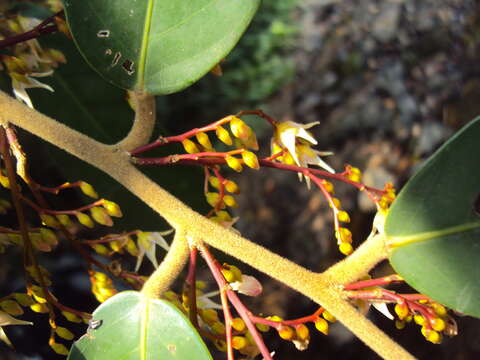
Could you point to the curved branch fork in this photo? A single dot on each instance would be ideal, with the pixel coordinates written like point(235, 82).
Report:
point(325, 289)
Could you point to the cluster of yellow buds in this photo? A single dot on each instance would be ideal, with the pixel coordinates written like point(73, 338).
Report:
point(387, 199)
point(219, 200)
point(433, 325)
point(321, 323)
point(342, 234)
point(102, 286)
point(353, 174)
point(29, 59)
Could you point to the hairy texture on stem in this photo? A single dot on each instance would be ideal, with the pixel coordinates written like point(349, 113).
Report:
point(357, 265)
point(169, 269)
point(143, 123)
point(323, 289)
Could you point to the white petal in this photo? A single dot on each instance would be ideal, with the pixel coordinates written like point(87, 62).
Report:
point(141, 254)
point(382, 307)
point(248, 286)
point(158, 239)
point(37, 84)
point(304, 134)
point(288, 140)
point(21, 94)
point(6, 319)
point(151, 255)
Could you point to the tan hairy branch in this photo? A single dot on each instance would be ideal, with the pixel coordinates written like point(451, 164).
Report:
point(324, 289)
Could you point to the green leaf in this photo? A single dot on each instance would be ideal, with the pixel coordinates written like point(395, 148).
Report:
point(434, 225)
point(129, 326)
point(158, 47)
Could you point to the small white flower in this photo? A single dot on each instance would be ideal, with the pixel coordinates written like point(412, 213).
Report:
point(147, 242)
point(27, 82)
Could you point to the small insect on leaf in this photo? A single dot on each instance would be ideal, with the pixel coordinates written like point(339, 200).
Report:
point(95, 324)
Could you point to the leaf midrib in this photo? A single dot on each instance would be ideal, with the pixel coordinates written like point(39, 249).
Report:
point(398, 241)
point(143, 49)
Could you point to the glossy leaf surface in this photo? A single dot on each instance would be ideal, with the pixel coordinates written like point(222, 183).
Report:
point(159, 47)
point(435, 225)
point(129, 326)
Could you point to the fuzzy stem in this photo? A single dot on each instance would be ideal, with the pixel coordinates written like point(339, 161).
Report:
point(324, 289)
point(143, 123)
point(169, 269)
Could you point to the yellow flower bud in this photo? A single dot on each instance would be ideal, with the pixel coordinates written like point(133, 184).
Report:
point(212, 198)
point(4, 181)
point(399, 324)
point(101, 249)
point(131, 247)
point(23, 299)
point(439, 309)
point(48, 236)
point(343, 216)
point(224, 136)
point(115, 245)
point(329, 317)
point(345, 248)
point(228, 275)
point(59, 348)
point(64, 333)
point(419, 319)
point(49, 220)
point(401, 310)
point(286, 332)
point(100, 277)
point(239, 128)
point(71, 317)
point(234, 163)
point(218, 328)
point(88, 190)
point(336, 202)
point(232, 187)
point(112, 208)
point(250, 159)
point(343, 235)
point(321, 325)
point(39, 308)
point(238, 324)
point(214, 181)
point(262, 327)
point(328, 186)
point(100, 215)
point(210, 316)
point(302, 332)
point(64, 220)
point(438, 324)
point(230, 201)
point(190, 147)
point(220, 345)
point(274, 318)
point(432, 336)
point(203, 140)
point(239, 342)
point(11, 307)
point(85, 220)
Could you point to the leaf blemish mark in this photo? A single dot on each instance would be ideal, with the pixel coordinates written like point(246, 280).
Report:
point(476, 204)
point(172, 348)
point(103, 34)
point(95, 324)
point(116, 58)
point(128, 66)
